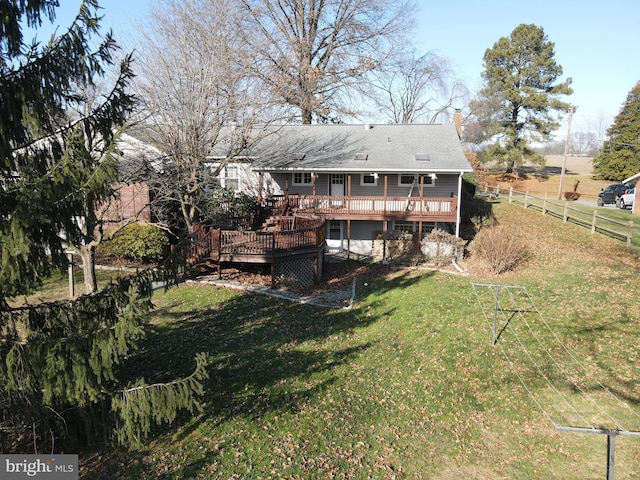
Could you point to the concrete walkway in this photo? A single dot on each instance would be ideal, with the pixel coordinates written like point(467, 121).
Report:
point(339, 299)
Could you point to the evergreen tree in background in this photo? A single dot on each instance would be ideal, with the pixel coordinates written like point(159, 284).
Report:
point(620, 156)
point(520, 95)
point(58, 362)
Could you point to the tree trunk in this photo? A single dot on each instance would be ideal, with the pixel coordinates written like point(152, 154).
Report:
point(306, 115)
point(87, 254)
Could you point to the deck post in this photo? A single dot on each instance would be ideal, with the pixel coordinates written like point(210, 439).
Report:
point(260, 185)
point(384, 241)
point(273, 275)
point(385, 195)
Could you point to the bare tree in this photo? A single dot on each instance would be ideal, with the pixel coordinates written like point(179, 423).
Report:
point(200, 94)
point(313, 51)
point(598, 126)
point(413, 89)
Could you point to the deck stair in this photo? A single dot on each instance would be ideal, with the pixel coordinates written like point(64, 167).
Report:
point(271, 224)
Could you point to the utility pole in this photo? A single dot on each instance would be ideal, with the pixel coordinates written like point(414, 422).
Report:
point(566, 152)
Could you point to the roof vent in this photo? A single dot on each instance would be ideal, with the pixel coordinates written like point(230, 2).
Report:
point(422, 157)
point(361, 157)
point(298, 156)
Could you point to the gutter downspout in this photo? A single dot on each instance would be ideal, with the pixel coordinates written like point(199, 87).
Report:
point(459, 204)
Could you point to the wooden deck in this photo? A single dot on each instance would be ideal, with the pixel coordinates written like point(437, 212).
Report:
point(300, 237)
point(426, 209)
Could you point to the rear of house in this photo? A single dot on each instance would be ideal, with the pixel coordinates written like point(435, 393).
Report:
point(365, 179)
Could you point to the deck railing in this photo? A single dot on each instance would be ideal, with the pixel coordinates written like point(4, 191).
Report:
point(213, 243)
point(370, 205)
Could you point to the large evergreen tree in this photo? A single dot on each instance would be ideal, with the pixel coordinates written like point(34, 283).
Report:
point(620, 156)
point(54, 171)
point(520, 95)
point(58, 376)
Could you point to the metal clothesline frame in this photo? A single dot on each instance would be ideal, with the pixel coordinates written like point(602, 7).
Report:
point(495, 334)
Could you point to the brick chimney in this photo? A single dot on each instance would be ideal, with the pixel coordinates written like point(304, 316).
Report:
point(457, 121)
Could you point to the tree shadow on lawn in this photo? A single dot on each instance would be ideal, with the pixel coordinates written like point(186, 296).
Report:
point(255, 344)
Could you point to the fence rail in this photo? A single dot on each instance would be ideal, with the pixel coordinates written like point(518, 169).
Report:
point(564, 210)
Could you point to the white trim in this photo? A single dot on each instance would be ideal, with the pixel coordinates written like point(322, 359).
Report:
point(631, 178)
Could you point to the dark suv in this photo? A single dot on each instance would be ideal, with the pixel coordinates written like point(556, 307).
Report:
point(612, 193)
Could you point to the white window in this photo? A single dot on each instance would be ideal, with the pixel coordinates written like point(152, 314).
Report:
point(408, 179)
point(412, 227)
point(302, 178)
point(231, 177)
point(334, 231)
point(428, 180)
point(369, 179)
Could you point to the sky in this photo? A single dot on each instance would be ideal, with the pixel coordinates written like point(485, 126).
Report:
point(597, 43)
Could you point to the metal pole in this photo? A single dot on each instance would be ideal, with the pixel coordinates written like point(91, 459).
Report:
point(611, 441)
point(611, 448)
point(566, 151)
point(495, 316)
point(72, 292)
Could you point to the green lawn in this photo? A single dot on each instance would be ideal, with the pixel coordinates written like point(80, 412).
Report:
point(405, 385)
point(609, 220)
point(57, 286)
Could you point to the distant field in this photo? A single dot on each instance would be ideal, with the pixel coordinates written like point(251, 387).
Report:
point(574, 165)
point(548, 181)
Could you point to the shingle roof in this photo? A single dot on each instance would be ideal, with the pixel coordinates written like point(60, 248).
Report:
point(376, 148)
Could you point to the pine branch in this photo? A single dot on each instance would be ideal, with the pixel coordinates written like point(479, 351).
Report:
point(137, 406)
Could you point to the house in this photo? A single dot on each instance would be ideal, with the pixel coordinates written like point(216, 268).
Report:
point(362, 179)
point(131, 202)
point(363, 182)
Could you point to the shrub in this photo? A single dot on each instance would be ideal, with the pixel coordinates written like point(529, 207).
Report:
point(499, 247)
point(229, 210)
point(139, 242)
point(392, 245)
point(441, 248)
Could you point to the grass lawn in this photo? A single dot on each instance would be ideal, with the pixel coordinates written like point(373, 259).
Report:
point(404, 385)
point(57, 288)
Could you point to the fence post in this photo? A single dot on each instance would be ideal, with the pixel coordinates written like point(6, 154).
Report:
point(510, 194)
point(565, 213)
point(630, 234)
point(544, 204)
point(526, 197)
point(593, 222)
